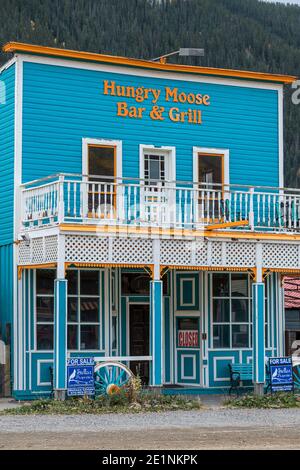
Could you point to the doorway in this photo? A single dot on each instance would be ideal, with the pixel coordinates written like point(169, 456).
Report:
point(139, 334)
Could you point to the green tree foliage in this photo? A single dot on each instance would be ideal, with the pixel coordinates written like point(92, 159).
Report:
point(242, 34)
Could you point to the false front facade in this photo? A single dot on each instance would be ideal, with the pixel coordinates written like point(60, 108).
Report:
point(144, 218)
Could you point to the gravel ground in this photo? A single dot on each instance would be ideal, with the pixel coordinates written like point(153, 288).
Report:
point(205, 419)
point(205, 429)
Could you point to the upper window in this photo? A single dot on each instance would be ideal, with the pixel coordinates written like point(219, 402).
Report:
point(210, 170)
point(101, 172)
point(101, 163)
point(155, 168)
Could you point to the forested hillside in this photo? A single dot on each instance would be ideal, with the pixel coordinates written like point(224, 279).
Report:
point(245, 34)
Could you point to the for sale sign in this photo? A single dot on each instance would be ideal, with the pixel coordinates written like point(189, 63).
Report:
point(281, 374)
point(188, 338)
point(80, 376)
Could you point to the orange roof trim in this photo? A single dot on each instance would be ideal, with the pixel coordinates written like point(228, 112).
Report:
point(117, 60)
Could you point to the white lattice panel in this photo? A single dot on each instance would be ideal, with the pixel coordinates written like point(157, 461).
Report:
point(216, 254)
point(278, 255)
point(51, 248)
point(175, 252)
point(201, 255)
point(24, 253)
point(84, 248)
point(37, 251)
point(240, 254)
point(132, 250)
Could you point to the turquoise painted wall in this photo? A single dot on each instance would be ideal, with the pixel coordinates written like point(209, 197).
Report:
point(62, 105)
point(7, 119)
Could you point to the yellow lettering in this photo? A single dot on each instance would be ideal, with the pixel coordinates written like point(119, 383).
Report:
point(206, 100)
point(174, 114)
point(171, 94)
point(122, 109)
point(108, 87)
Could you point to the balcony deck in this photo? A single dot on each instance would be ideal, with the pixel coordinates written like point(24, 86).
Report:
point(78, 199)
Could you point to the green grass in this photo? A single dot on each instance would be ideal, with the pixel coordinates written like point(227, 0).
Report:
point(276, 400)
point(118, 403)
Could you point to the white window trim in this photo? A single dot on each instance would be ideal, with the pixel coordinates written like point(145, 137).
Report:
point(109, 143)
point(209, 151)
point(86, 141)
point(170, 178)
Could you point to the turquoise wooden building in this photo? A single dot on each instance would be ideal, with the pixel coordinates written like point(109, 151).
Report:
point(143, 218)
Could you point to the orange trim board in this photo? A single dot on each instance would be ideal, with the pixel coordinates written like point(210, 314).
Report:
point(177, 232)
point(118, 60)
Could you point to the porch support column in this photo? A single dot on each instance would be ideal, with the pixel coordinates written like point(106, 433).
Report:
point(156, 319)
point(60, 329)
point(258, 333)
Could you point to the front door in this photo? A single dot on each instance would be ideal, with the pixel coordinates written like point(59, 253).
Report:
point(139, 339)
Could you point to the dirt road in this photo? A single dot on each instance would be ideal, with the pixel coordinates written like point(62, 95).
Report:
point(205, 429)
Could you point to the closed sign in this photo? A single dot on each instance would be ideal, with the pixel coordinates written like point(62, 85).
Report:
point(188, 338)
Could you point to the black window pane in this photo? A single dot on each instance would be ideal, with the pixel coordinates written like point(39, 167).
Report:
point(89, 282)
point(72, 309)
point(44, 309)
point(221, 310)
point(72, 277)
point(221, 337)
point(239, 285)
point(240, 336)
point(89, 337)
point(188, 323)
point(101, 163)
point(240, 312)
point(44, 337)
point(89, 310)
point(114, 333)
point(221, 285)
point(135, 284)
point(45, 281)
point(210, 169)
point(72, 337)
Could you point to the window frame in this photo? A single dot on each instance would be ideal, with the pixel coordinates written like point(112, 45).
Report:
point(230, 323)
point(87, 143)
point(36, 322)
point(78, 323)
point(214, 152)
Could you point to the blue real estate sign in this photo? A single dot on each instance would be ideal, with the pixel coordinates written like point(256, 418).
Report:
point(80, 376)
point(281, 374)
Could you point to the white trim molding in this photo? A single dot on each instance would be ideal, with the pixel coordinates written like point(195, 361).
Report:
point(211, 151)
point(86, 141)
point(188, 377)
point(134, 71)
point(38, 375)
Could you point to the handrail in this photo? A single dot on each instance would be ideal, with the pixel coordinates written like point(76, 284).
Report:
point(139, 180)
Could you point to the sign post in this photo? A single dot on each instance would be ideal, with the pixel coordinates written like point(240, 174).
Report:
point(80, 376)
point(281, 374)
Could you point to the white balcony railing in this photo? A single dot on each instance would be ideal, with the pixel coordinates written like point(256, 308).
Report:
point(178, 205)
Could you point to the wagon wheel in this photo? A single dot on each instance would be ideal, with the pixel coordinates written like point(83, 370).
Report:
point(110, 377)
point(296, 377)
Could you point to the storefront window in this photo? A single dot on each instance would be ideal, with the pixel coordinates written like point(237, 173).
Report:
point(83, 309)
point(44, 308)
point(232, 311)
